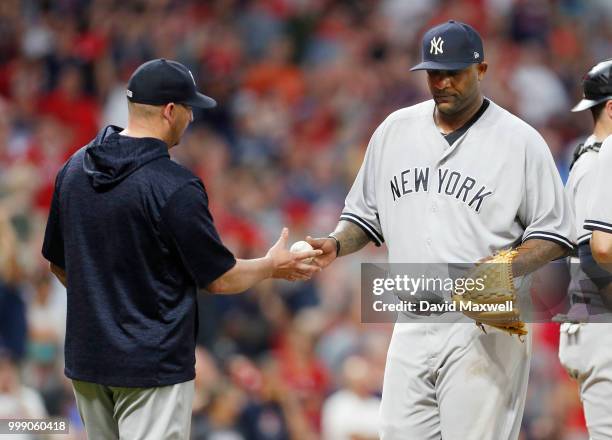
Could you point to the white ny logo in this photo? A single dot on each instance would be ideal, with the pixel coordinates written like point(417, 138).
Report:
point(436, 45)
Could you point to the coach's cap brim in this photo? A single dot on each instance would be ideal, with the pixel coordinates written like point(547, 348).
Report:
point(201, 101)
point(435, 65)
point(588, 103)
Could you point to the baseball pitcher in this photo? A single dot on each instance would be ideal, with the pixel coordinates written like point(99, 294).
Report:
point(451, 180)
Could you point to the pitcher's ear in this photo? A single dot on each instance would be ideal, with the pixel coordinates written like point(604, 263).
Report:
point(482, 69)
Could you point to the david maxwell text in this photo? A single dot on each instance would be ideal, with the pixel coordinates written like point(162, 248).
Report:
point(448, 306)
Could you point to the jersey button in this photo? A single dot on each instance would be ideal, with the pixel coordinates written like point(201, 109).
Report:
point(428, 241)
point(434, 207)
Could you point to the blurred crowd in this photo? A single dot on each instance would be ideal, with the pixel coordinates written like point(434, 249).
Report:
point(301, 85)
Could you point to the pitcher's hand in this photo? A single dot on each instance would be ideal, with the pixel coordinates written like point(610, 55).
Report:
point(327, 246)
point(288, 265)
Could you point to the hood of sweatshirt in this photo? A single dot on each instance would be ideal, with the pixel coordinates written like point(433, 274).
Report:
point(111, 157)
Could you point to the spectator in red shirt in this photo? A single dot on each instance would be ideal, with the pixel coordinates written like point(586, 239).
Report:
point(72, 107)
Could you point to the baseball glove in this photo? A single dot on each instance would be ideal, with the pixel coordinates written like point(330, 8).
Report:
point(493, 300)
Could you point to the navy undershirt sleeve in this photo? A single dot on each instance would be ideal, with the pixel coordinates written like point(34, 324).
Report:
point(600, 276)
point(186, 219)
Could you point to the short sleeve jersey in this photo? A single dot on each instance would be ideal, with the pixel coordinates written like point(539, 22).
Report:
point(496, 186)
point(599, 210)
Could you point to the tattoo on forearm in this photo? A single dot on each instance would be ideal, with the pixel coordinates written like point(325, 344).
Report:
point(534, 254)
point(351, 237)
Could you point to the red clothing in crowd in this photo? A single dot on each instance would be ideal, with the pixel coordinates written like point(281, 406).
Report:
point(79, 114)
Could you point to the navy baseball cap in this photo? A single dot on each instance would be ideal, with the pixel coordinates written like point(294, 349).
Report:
point(160, 81)
point(450, 46)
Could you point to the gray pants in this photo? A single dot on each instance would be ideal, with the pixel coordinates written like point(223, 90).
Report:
point(449, 380)
point(162, 413)
point(584, 351)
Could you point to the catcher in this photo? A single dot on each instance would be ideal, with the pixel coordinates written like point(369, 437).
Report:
point(584, 346)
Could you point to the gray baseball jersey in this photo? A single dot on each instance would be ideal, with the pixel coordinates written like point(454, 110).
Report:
point(579, 187)
point(599, 211)
point(495, 186)
point(583, 347)
point(442, 200)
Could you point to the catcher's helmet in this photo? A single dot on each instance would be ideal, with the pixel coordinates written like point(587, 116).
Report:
point(596, 85)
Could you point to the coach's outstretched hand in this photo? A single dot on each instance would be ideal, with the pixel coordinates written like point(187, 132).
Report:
point(327, 246)
point(279, 262)
point(289, 265)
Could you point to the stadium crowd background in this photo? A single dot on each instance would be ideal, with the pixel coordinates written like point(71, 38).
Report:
point(301, 84)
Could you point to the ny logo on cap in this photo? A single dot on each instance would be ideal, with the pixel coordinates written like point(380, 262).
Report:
point(436, 45)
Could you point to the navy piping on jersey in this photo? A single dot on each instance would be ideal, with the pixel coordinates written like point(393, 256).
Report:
point(583, 238)
point(544, 235)
point(367, 228)
point(454, 135)
point(595, 225)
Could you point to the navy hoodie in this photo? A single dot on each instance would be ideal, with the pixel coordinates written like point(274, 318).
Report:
point(133, 232)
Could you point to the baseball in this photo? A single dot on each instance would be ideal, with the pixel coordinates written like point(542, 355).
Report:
point(302, 246)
